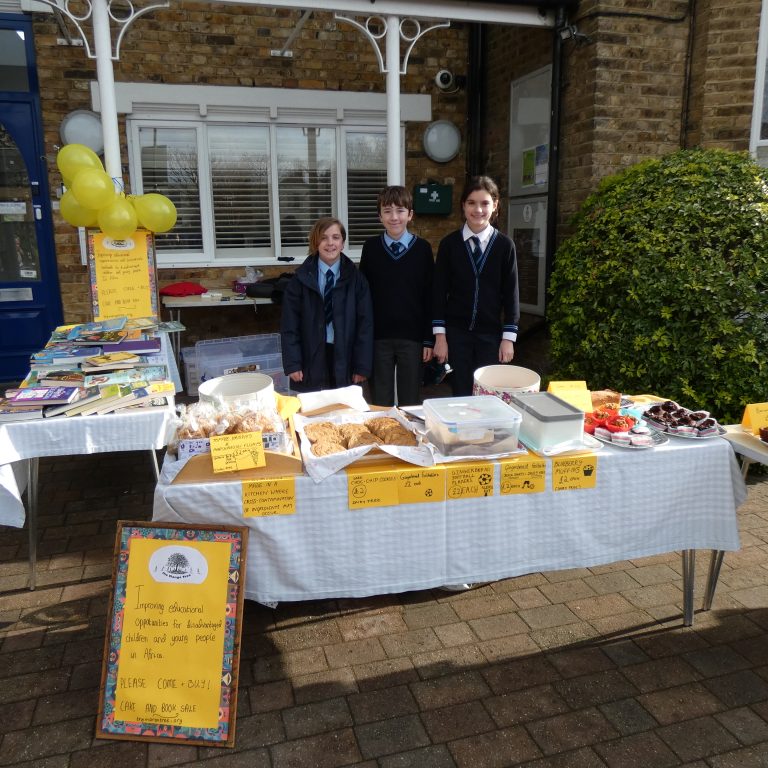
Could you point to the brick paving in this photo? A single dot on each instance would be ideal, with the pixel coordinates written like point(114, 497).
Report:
point(570, 669)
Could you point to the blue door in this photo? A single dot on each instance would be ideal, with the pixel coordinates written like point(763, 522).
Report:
point(30, 301)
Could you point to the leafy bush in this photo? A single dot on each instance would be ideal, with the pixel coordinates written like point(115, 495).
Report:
point(662, 286)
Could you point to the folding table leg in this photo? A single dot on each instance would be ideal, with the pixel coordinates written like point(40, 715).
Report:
point(715, 562)
point(155, 465)
point(32, 468)
point(689, 561)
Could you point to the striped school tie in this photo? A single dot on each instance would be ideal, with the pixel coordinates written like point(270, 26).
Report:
point(396, 249)
point(477, 251)
point(328, 297)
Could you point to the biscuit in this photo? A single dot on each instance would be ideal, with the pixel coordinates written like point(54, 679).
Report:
point(379, 424)
point(325, 447)
point(320, 429)
point(349, 431)
point(363, 438)
point(399, 436)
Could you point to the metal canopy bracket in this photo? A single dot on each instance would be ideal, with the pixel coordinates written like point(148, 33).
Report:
point(376, 36)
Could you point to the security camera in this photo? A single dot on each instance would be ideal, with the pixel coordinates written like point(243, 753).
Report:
point(445, 80)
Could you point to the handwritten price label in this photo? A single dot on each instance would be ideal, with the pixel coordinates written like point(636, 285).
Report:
point(274, 496)
point(570, 473)
point(469, 481)
point(755, 416)
point(232, 452)
point(372, 489)
point(523, 474)
point(421, 485)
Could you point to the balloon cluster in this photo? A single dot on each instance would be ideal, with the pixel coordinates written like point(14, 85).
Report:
point(91, 199)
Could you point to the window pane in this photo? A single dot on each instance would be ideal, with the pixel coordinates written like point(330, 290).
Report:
point(169, 166)
point(306, 167)
point(240, 181)
point(13, 62)
point(366, 177)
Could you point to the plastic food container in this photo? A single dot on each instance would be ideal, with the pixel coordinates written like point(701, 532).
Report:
point(238, 388)
point(505, 381)
point(547, 420)
point(479, 425)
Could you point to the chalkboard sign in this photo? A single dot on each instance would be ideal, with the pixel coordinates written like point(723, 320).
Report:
point(122, 275)
point(172, 646)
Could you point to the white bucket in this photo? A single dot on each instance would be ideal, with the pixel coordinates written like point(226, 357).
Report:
point(504, 381)
point(238, 388)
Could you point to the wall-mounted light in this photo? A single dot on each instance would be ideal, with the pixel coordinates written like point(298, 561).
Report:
point(442, 141)
point(82, 127)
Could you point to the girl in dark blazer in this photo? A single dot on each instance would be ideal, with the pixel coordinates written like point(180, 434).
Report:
point(327, 320)
point(475, 304)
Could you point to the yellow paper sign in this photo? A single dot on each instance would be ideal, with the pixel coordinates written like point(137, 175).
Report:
point(574, 393)
point(123, 280)
point(523, 474)
point(242, 451)
point(421, 485)
point(173, 633)
point(755, 416)
point(372, 489)
point(271, 496)
point(569, 473)
point(467, 481)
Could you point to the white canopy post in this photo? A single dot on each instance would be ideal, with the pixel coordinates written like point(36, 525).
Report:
point(394, 164)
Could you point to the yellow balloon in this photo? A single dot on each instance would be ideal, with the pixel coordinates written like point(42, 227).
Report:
point(118, 220)
point(73, 158)
point(74, 213)
point(93, 189)
point(156, 212)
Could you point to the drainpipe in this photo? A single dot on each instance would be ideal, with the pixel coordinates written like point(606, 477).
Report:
point(554, 146)
point(476, 99)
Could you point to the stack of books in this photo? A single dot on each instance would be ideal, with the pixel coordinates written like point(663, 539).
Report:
point(93, 368)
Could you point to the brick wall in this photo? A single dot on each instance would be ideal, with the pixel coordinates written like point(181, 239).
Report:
point(230, 45)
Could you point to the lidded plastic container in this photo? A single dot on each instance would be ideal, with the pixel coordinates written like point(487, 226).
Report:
point(547, 420)
point(478, 425)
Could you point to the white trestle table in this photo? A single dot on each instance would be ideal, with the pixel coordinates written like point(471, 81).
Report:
point(680, 496)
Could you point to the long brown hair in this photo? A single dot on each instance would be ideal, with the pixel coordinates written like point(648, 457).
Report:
point(482, 184)
point(317, 232)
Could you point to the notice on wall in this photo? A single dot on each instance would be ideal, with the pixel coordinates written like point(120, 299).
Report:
point(172, 646)
point(122, 275)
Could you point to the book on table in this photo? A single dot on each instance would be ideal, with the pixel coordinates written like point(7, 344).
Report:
point(128, 375)
point(110, 360)
point(97, 338)
point(140, 393)
point(86, 396)
point(43, 396)
point(19, 412)
point(112, 324)
point(107, 394)
point(62, 377)
point(140, 346)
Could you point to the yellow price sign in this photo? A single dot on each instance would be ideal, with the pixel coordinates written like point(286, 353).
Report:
point(421, 485)
point(468, 481)
point(755, 416)
point(570, 473)
point(372, 489)
point(233, 452)
point(271, 496)
point(523, 474)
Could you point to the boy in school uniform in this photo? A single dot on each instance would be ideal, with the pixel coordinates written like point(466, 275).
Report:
point(398, 266)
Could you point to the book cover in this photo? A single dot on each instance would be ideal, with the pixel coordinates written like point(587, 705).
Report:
point(19, 412)
point(143, 323)
point(110, 325)
point(141, 346)
point(139, 395)
point(145, 373)
point(65, 377)
point(61, 333)
point(101, 337)
point(110, 360)
point(85, 396)
point(107, 394)
point(44, 396)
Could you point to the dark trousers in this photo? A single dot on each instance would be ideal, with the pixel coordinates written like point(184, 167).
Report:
point(468, 351)
point(330, 368)
point(396, 360)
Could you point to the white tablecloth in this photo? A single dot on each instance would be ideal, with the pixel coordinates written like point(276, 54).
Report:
point(682, 495)
point(144, 429)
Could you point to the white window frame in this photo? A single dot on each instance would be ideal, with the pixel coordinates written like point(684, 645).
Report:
point(758, 104)
point(191, 106)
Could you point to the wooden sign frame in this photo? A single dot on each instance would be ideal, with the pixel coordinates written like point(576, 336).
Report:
point(123, 275)
point(164, 577)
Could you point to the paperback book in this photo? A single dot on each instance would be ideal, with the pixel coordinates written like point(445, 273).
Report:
point(19, 412)
point(64, 377)
point(110, 360)
point(139, 395)
point(129, 375)
point(139, 346)
point(44, 396)
point(85, 397)
point(113, 324)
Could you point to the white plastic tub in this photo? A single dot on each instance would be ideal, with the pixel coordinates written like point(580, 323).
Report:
point(505, 381)
point(239, 388)
point(547, 420)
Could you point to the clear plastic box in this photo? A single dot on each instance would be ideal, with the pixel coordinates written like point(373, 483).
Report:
point(191, 374)
point(217, 357)
point(547, 420)
point(479, 425)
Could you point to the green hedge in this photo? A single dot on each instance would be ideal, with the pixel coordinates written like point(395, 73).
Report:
point(662, 286)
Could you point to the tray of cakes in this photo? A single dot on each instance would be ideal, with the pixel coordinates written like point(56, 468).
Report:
point(335, 440)
point(674, 420)
point(622, 429)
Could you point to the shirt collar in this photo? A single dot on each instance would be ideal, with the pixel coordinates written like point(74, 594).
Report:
point(323, 268)
point(404, 240)
point(484, 236)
